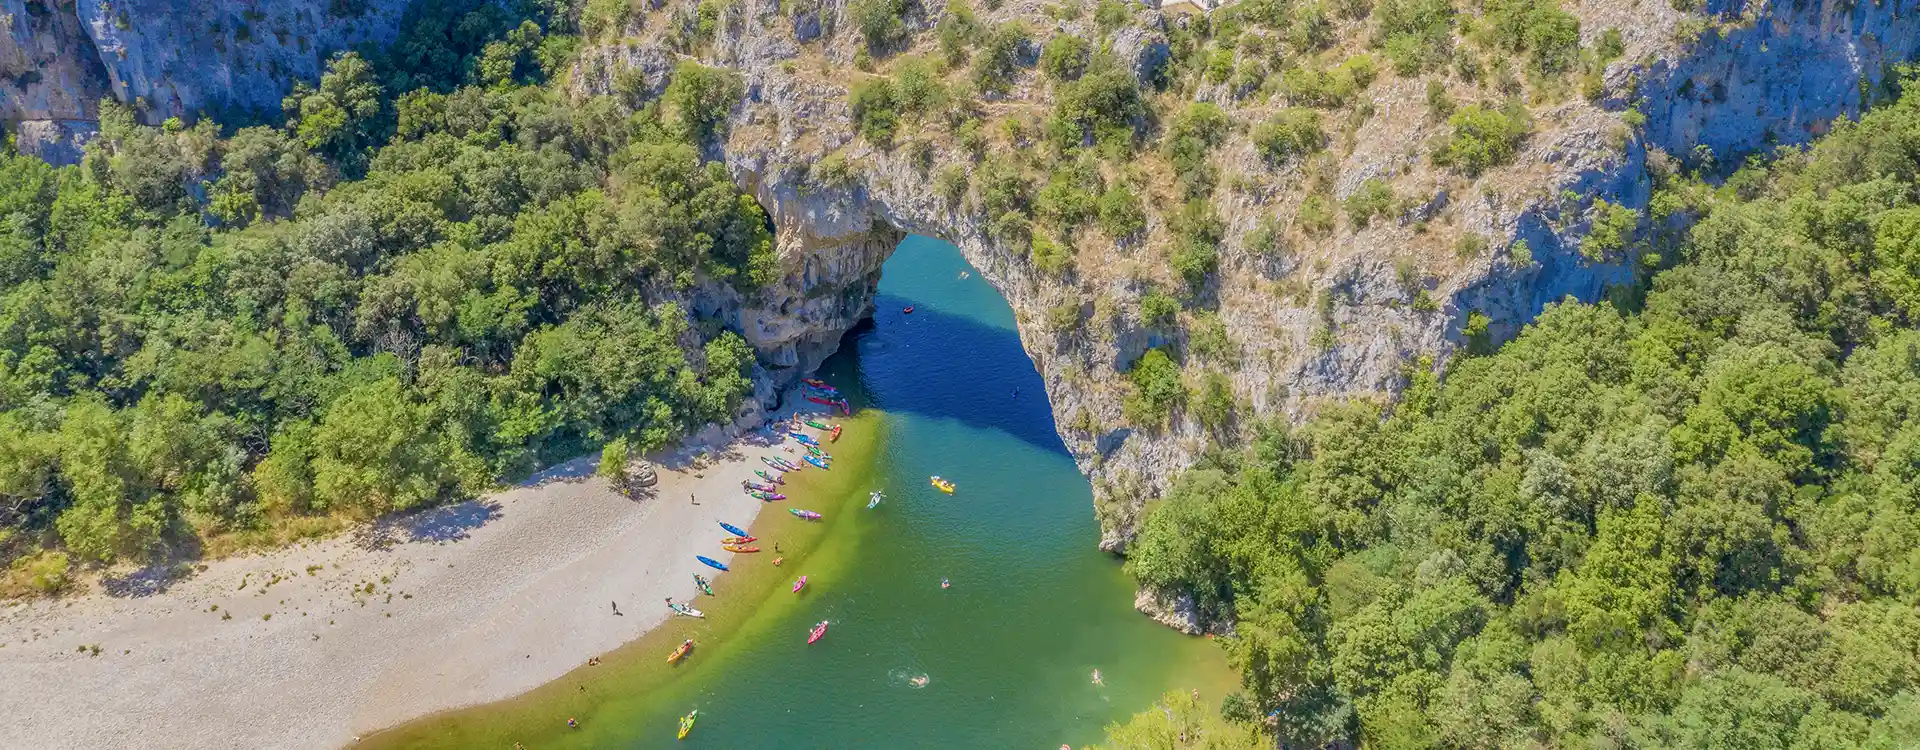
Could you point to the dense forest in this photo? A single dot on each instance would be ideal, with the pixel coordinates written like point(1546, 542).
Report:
point(1682, 518)
point(433, 273)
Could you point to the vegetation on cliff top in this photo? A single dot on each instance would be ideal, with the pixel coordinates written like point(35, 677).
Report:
point(437, 274)
point(1683, 519)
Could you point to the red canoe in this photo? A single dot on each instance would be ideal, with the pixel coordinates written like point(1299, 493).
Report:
point(818, 630)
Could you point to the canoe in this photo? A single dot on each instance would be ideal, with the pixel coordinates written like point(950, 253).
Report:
point(732, 529)
point(821, 400)
point(834, 437)
point(739, 548)
point(686, 723)
point(711, 563)
point(702, 583)
point(806, 514)
point(740, 540)
point(941, 485)
point(908, 309)
point(802, 437)
point(769, 477)
point(685, 610)
point(818, 462)
point(818, 425)
point(685, 646)
point(874, 498)
point(774, 462)
point(800, 584)
point(818, 631)
point(817, 453)
point(816, 382)
point(760, 487)
point(766, 497)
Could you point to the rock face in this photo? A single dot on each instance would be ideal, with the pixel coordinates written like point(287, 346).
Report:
point(166, 58)
point(1315, 316)
point(1335, 317)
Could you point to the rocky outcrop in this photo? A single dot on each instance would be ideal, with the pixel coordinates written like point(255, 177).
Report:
point(167, 58)
point(1332, 317)
point(1312, 316)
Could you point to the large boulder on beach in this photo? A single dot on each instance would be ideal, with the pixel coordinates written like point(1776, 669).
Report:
point(642, 474)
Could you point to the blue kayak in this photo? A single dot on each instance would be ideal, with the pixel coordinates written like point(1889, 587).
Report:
point(712, 563)
point(818, 462)
point(804, 440)
point(734, 530)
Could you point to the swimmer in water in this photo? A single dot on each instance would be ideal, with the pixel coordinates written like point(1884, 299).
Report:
point(945, 583)
point(920, 681)
point(1096, 678)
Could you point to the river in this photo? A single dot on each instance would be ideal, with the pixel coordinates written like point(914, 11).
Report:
point(1007, 653)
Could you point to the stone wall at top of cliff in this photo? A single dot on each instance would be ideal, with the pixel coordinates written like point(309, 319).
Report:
point(1339, 316)
point(167, 58)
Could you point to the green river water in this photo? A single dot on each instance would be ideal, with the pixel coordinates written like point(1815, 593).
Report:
point(1008, 651)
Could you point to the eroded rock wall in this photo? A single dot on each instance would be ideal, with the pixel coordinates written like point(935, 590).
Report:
point(1335, 318)
point(167, 58)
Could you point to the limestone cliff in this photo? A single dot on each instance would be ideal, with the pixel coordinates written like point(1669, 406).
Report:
point(1311, 315)
point(166, 58)
point(1342, 315)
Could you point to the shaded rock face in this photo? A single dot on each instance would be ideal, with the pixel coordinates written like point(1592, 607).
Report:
point(1779, 75)
point(166, 58)
point(1763, 75)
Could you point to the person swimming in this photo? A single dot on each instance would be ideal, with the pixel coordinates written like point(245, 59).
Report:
point(945, 583)
point(1096, 678)
point(919, 681)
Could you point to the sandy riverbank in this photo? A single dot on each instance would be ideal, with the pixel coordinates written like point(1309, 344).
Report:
point(315, 645)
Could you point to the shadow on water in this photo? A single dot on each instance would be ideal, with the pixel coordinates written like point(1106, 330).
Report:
point(971, 383)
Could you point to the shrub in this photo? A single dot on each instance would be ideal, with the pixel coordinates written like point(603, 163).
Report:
point(1612, 227)
point(1316, 215)
point(1069, 198)
point(879, 21)
point(1483, 138)
point(1549, 35)
point(1439, 105)
point(1157, 389)
point(1215, 404)
point(1120, 213)
point(702, 97)
point(1470, 245)
point(999, 59)
point(1520, 253)
point(1064, 318)
point(875, 107)
point(1373, 198)
point(836, 170)
point(951, 184)
point(41, 573)
point(1103, 104)
point(1295, 131)
point(917, 87)
point(1012, 227)
point(1194, 258)
point(1002, 187)
point(1207, 337)
point(1416, 34)
point(1064, 58)
point(1157, 308)
point(1050, 257)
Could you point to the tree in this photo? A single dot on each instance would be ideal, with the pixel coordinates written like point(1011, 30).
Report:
point(702, 98)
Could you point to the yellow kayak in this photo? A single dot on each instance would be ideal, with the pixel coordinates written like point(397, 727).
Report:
point(685, 646)
point(686, 723)
point(942, 485)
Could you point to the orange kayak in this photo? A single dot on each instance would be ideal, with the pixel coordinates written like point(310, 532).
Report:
point(835, 438)
point(685, 646)
point(738, 548)
point(739, 539)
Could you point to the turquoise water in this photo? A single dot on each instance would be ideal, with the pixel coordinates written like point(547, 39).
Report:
point(1007, 652)
point(1009, 649)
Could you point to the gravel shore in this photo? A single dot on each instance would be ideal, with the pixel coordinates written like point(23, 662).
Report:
point(315, 645)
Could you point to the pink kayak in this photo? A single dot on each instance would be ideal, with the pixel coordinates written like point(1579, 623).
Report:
point(818, 630)
point(800, 584)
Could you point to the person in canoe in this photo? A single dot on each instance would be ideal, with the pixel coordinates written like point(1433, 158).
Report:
point(944, 583)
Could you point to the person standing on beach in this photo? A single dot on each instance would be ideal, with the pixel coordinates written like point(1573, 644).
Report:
point(692, 499)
